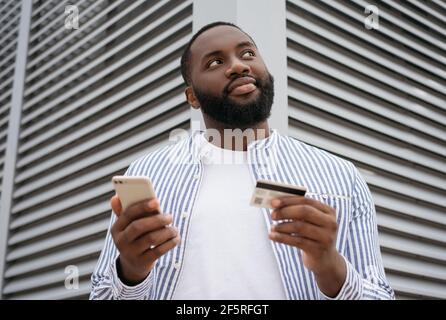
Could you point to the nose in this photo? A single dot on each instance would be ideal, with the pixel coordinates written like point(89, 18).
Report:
point(237, 68)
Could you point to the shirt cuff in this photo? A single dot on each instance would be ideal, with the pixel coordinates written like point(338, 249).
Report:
point(122, 291)
point(352, 287)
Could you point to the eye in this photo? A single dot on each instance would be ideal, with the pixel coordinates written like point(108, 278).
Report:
point(214, 63)
point(248, 53)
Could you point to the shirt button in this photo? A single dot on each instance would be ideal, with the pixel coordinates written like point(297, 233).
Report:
point(197, 176)
point(184, 215)
point(177, 265)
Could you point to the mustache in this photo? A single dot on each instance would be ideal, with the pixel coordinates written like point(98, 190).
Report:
point(226, 88)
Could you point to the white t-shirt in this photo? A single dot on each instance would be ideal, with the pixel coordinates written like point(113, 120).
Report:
point(228, 254)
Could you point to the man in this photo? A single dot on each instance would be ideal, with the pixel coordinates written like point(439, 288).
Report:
point(200, 239)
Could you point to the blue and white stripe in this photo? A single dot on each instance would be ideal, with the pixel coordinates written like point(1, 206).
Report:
point(176, 171)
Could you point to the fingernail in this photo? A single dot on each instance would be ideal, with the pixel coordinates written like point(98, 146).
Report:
point(152, 204)
point(273, 235)
point(275, 203)
point(274, 215)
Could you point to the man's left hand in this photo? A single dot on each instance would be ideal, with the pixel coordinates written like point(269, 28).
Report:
point(310, 225)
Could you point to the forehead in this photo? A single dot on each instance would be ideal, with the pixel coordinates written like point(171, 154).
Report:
point(219, 38)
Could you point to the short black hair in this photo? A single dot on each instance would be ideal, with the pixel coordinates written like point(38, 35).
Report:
point(185, 58)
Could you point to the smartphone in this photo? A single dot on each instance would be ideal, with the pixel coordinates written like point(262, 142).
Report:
point(132, 189)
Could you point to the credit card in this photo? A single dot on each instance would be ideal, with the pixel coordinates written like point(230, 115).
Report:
point(265, 191)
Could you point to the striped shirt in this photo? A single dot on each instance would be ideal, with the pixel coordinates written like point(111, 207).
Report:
point(176, 171)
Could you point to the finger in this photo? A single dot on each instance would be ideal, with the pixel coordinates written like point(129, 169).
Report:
point(138, 228)
point(155, 253)
point(115, 204)
point(305, 230)
point(155, 238)
point(305, 244)
point(302, 212)
point(136, 211)
point(299, 200)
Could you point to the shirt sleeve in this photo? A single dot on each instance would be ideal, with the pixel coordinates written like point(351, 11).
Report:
point(365, 278)
point(105, 281)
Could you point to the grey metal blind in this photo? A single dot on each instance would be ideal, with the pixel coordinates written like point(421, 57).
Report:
point(377, 98)
point(95, 99)
point(9, 25)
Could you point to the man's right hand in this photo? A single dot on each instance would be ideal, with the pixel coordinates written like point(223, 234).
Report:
point(142, 234)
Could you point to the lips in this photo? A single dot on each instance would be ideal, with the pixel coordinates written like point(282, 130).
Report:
point(246, 82)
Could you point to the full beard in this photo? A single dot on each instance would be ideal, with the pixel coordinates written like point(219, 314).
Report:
point(234, 115)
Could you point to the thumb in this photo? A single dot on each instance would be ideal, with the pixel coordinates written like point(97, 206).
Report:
point(116, 205)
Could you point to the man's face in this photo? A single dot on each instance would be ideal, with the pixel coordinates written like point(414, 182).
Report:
point(230, 79)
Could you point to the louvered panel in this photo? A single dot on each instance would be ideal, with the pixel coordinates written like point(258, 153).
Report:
point(47, 278)
point(409, 286)
point(96, 99)
point(377, 98)
point(9, 21)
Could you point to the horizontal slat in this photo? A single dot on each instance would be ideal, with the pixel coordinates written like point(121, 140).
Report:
point(55, 22)
point(58, 293)
point(85, 196)
point(367, 148)
point(430, 11)
point(112, 53)
point(409, 207)
point(397, 21)
point(130, 89)
point(334, 106)
point(92, 51)
point(366, 102)
point(370, 38)
point(410, 227)
point(44, 166)
point(53, 143)
point(154, 60)
point(366, 68)
point(54, 277)
point(49, 194)
point(417, 287)
point(10, 13)
point(414, 267)
point(156, 111)
point(7, 30)
point(9, 69)
point(324, 66)
point(35, 231)
point(412, 248)
point(42, 8)
point(377, 179)
point(57, 8)
point(82, 29)
point(60, 239)
point(439, 3)
point(4, 109)
point(66, 255)
point(6, 5)
point(417, 17)
point(399, 37)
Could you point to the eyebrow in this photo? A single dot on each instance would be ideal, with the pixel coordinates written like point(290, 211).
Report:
point(218, 52)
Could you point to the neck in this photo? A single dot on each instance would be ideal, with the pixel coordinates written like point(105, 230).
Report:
point(236, 139)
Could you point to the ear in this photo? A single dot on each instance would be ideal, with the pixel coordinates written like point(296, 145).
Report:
point(190, 96)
